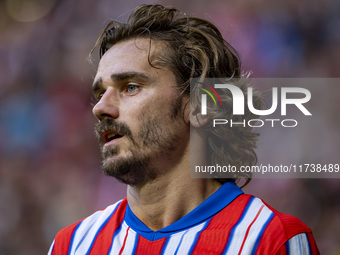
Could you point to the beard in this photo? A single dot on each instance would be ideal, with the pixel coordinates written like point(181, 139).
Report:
point(131, 170)
point(156, 138)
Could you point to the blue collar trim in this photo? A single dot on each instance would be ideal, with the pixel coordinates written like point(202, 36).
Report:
point(211, 206)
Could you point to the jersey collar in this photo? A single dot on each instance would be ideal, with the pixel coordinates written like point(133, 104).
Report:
point(207, 209)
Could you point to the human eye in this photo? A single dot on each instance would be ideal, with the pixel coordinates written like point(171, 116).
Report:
point(98, 96)
point(132, 88)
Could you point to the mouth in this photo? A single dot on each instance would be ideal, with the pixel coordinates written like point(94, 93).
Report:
point(110, 137)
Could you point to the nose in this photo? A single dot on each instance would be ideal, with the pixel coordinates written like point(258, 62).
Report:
point(107, 106)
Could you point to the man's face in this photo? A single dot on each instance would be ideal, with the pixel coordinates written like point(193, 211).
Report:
point(141, 128)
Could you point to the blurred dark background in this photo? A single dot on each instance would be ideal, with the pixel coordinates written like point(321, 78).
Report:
point(50, 172)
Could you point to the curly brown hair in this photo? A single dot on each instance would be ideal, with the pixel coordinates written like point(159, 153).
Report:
point(195, 49)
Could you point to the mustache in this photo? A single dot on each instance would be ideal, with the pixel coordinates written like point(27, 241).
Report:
point(109, 124)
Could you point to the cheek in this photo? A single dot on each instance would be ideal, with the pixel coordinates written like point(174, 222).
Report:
point(155, 108)
point(147, 112)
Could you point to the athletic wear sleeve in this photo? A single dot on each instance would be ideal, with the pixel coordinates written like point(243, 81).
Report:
point(301, 244)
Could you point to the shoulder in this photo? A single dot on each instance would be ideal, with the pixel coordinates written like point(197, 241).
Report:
point(255, 209)
point(288, 224)
point(271, 230)
point(86, 230)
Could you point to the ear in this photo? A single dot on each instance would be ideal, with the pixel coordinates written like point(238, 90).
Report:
point(198, 120)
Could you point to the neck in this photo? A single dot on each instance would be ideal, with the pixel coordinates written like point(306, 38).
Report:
point(162, 202)
point(172, 195)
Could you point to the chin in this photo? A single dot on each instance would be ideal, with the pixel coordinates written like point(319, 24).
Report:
point(131, 171)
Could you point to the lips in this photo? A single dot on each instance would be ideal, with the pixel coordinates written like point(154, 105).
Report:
point(108, 131)
point(110, 137)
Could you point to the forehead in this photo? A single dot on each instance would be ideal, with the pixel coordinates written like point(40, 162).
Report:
point(131, 54)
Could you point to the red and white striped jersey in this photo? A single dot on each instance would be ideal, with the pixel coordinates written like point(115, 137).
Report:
point(228, 222)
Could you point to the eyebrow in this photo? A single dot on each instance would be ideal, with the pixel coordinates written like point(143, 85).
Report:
point(117, 77)
point(129, 75)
